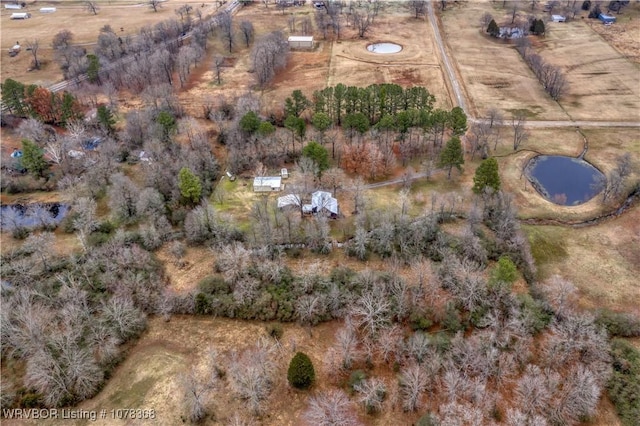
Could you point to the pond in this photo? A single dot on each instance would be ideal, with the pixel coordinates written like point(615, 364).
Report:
point(564, 180)
point(36, 215)
point(384, 48)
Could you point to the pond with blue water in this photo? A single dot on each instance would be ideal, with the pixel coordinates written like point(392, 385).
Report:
point(31, 216)
point(563, 180)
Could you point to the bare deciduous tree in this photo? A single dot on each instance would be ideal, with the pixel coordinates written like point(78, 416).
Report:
point(247, 30)
point(91, 6)
point(155, 4)
point(520, 134)
point(251, 374)
point(413, 382)
point(331, 408)
point(225, 24)
point(196, 392)
point(372, 393)
point(32, 46)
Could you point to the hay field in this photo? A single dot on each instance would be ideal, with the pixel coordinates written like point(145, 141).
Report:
point(492, 71)
point(603, 84)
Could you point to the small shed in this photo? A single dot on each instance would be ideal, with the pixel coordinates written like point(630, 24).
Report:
point(267, 184)
point(47, 9)
point(284, 173)
point(13, 6)
point(20, 15)
point(301, 42)
point(558, 18)
point(607, 18)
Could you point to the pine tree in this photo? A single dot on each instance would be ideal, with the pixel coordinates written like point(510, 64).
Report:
point(486, 176)
point(93, 69)
point(106, 120)
point(539, 27)
point(168, 123)
point(452, 156)
point(33, 158)
point(250, 122)
point(190, 186)
point(493, 29)
point(301, 373)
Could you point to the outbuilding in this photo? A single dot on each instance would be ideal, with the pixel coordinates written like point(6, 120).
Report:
point(558, 18)
point(20, 15)
point(47, 9)
point(267, 184)
point(13, 6)
point(301, 42)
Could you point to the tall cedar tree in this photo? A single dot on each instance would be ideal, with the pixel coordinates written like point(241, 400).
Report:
point(190, 186)
point(493, 29)
point(106, 120)
point(33, 158)
point(486, 176)
point(452, 156)
point(301, 373)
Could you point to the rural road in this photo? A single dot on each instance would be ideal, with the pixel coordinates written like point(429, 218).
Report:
point(456, 85)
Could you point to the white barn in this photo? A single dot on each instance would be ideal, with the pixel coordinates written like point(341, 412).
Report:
point(20, 15)
point(267, 184)
point(301, 42)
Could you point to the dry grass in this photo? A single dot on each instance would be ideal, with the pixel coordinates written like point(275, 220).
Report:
point(604, 84)
point(126, 17)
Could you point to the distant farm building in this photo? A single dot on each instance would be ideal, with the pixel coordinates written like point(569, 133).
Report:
point(13, 6)
point(558, 18)
point(301, 42)
point(47, 9)
point(284, 173)
point(607, 19)
point(267, 184)
point(20, 15)
point(511, 32)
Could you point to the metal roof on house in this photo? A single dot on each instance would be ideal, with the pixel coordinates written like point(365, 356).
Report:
point(271, 181)
point(300, 38)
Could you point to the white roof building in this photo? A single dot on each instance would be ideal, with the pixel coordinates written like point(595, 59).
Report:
point(267, 183)
point(305, 42)
point(319, 200)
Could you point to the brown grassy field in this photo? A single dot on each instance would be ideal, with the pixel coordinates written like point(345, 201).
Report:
point(126, 17)
point(604, 84)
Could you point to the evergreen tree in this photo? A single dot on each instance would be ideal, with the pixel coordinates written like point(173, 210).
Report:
point(250, 122)
point(168, 124)
point(539, 27)
point(301, 373)
point(452, 155)
point(93, 68)
point(190, 186)
point(321, 122)
point(265, 129)
point(317, 153)
point(458, 121)
point(505, 272)
point(296, 104)
point(493, 29)
point(106, 119)
point(13, 96)
point(486, 176)
point(33, 158)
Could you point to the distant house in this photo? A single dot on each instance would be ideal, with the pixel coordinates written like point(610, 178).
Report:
point(558, 18)
point(511, 32)
point(607, 18)
point(301, 42)
point(20, 15)
point(267, 184)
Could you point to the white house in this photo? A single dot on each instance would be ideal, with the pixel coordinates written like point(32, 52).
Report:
point(267, 184)
point(301, 42)
point(320, 200)
point(558, 18)
point(20, 15)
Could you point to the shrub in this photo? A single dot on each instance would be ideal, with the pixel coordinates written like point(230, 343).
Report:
point(419, 321)
point(202, 304)
point(214, 285)
point(624, 384)
point(619, 323)
point(301, 373)
point(356, 378)
point(275, 330)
